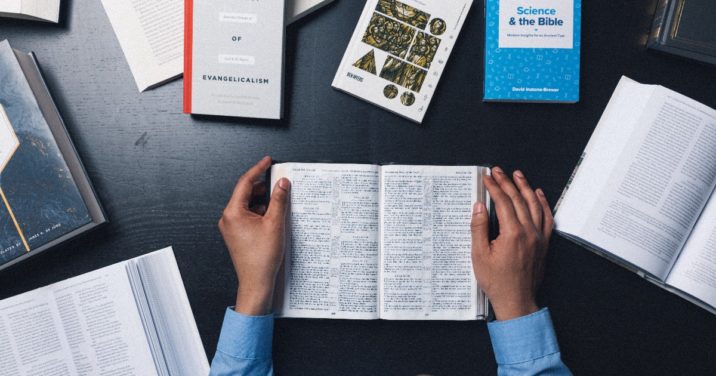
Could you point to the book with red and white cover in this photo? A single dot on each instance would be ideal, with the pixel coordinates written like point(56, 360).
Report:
point(234, 58)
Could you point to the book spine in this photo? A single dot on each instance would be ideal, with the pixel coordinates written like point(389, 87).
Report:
point(188, 56)
point(659, 24)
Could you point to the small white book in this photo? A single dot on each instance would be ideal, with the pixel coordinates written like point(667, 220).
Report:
point(398, 53)
point(131, 318)
point(151, 34)
point(35, 10)
point(380, 242)
point(643, 192)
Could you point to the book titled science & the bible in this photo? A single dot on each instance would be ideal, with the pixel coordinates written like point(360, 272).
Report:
point(532, 50)
point(45, 195)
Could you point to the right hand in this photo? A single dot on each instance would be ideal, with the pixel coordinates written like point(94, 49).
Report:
point(510, 268)
point(255, 237)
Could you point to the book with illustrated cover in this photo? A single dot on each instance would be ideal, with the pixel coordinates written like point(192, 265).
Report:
point(46, 197)
point(644, 192)
point(398, 52)
point(132, 318)
point(380, 242)
point(532, 50)
point(234, 58)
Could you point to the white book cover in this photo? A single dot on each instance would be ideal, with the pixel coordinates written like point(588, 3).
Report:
point(234, 58)
point(151, 34)
point(398, 53)
point(36, 10)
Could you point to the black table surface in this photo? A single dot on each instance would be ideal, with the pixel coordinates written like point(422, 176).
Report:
point(164, 178)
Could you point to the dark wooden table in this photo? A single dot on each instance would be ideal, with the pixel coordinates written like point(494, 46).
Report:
point(164, 178)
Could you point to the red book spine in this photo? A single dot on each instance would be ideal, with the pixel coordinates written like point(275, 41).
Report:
point(188, 42)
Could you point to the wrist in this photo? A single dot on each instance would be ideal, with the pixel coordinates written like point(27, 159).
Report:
point(254, 302)
point(512, 310)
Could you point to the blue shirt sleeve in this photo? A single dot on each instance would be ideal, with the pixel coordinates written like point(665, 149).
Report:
point(244, 346)
point(527, 346)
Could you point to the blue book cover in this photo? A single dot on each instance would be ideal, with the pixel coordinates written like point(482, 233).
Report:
point(532, 50)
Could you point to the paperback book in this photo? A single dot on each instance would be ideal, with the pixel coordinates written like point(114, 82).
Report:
point(532, 50)
point(34, 10)
point(643, 193)
point(46, 196)
point(234, 58)
point(398, 53)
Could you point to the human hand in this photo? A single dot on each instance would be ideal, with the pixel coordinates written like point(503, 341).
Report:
point(510, 268)
point(255, 237)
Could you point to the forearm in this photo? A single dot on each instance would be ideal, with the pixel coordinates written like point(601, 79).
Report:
point(527, 346)
point(245, 346)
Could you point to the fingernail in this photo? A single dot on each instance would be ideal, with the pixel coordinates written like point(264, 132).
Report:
point(479, 208)
point(284, 184)
point(519, 174)
point(498, 170)
point(539, 192)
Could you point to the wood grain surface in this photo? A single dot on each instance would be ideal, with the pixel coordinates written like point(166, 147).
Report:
point(164, 178)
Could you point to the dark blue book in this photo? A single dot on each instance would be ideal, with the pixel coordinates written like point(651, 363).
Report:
point(45, 195)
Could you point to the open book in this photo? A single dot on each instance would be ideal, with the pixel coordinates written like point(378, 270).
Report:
point(643, 192)
point(380, 242)
point(131, 318)
point(35, 10)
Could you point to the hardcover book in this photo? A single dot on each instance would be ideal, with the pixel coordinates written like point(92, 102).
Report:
point(380, 242)
point(398, 53)
point(685, 28)
point(532, 50)
point(131, 318)
point(643, 193)
point(234, 58)
point(46, 197)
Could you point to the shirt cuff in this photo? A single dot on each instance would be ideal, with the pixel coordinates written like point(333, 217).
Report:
point(523, 339)
point(246, 337)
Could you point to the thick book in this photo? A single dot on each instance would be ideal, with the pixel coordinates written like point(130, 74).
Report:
point(643, 191)
point(46, 196)
point(398, 53)
point(34, 10)
point(151, 35)
point(685, 28)
point(532, 51)
point(380, 242)
point(131, 318)
point(234, 58)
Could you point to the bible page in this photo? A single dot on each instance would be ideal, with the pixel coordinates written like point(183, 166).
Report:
point(87, 325)
point(644, 179)
point(426, 267)
point(331, 264)
point(151, 34)
point(695, 270)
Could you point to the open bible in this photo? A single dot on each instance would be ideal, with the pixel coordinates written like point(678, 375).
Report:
point(380, 242)
point(643, 192)
point(129, 319)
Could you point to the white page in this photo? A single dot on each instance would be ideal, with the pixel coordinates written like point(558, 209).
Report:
point(39, 10)
point(331, 266)
point(82, 326)
point(695, 270)
point(650, 187)
point(425, 266)
point(151, 34)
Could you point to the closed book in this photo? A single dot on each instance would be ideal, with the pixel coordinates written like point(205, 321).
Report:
point(685, 28)
point(234, 58)
point(532, 50)
point(398, 53)
point(46, 197)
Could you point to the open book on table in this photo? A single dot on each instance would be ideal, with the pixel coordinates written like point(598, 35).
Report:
point(380, 242)
point(643, 192)
point(131, 318)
